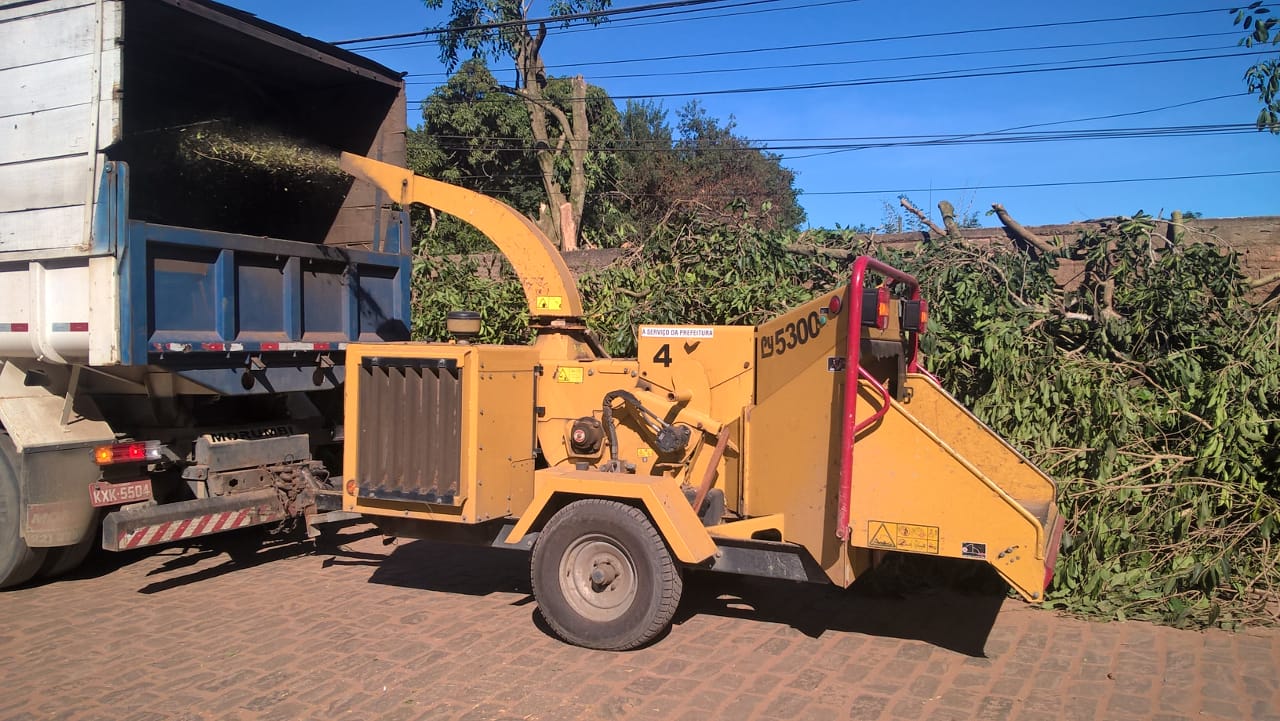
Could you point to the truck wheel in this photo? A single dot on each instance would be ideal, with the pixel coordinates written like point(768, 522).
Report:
point(18, 561)
point(603, 577)
point(64, 559)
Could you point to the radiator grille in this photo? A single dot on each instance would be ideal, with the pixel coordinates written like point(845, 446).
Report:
point(410, 429)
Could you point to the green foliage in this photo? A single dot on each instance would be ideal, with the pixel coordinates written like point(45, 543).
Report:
point(507, 33)
point(1262, 77)
point(692, 272)
point(444, 283)
point(1149, 387)
point(477, 136)
point(1157, 414)
point(703, 168)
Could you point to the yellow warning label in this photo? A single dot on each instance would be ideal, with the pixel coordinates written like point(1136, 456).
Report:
point(569, 374)
point(644, 453)
point(902, 537)
point(549, 302)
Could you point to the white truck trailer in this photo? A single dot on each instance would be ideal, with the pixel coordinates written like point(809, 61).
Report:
point(172, 323)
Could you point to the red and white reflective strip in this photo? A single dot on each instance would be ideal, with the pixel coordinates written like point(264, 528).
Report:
point(198, 526)
point(70, 328)
point(301, 346)
point(14, 328)
point(242, 347)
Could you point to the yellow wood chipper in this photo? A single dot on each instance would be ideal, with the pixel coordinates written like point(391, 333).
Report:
point(794, 449)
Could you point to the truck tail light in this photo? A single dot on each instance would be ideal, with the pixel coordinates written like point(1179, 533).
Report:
point(915, 315)
point(875, 307)
point(137, 452)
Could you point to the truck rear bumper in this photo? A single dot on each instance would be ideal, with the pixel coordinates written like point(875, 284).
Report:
point(139, 527)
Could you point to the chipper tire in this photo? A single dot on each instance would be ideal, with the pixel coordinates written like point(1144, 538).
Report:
point(18, 561)
point(603, 576)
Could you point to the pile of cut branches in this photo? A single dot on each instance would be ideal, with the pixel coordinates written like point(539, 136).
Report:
point(1148, 386)
point(1151, 391)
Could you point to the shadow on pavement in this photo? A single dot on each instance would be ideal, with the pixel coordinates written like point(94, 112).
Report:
point(253, 547)
point(946, 603)
point(955, 615)
point(242, 549)
point(454, 568)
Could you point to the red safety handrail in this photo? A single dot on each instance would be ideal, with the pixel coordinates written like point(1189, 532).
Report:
point(884, 402)
point(854, 371)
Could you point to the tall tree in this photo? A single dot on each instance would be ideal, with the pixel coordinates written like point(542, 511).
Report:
point(500, 29)
point(479, 137)
point(1262, 77)
point(704, 168)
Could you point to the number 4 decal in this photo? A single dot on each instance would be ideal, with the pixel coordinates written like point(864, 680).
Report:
point(663, 355)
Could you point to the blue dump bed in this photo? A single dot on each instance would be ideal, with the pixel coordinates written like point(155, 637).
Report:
point(237, 313)
point(200, 224)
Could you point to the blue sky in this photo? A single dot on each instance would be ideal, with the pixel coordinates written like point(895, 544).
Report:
point(836, 185)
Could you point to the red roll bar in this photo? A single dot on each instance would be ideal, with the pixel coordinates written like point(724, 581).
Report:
point(854, 372)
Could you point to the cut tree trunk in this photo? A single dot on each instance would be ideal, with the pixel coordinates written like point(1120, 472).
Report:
point(1020, 233)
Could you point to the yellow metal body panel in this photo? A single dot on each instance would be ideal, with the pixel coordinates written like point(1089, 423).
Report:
point(709, 371)
point(719, 358)
point(791, 456)
point(792, 435)
point(795, 341)
point(570, 389)
point(549, 286)
point(919, 487)
point(936, 409)
point(666, 505)
point(746, 529)
point(497, 431)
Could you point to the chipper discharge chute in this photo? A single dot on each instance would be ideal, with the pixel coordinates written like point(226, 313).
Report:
point(795, 449)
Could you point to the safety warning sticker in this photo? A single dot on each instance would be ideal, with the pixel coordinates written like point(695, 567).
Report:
point(902, 537)
point(569, 374)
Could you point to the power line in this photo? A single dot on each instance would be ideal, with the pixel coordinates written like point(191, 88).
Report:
point(563, 18)
point(863, 61)
point(1056, 184)
point(946, 75)
point(858, 41)
point(1110, 116)
point(882, 141)
point(958, 188)
point(646, 22)
point(970, 73)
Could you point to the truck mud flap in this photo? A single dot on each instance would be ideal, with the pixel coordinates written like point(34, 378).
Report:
point(139, 527)
point(947, 485)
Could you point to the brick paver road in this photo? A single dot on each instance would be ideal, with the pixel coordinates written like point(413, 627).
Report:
point(425, 631)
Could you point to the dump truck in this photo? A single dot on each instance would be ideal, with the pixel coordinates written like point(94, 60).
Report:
point(796, 449)
point(175, 299)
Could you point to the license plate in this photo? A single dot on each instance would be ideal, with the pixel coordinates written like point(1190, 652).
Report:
point(113, 494)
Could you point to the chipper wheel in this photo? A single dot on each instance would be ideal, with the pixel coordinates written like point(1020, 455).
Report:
point(603, 577)
point(18, 561)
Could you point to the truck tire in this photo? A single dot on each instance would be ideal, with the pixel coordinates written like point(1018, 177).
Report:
point(603, 577)
point(65, 559)
point(18, 561)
